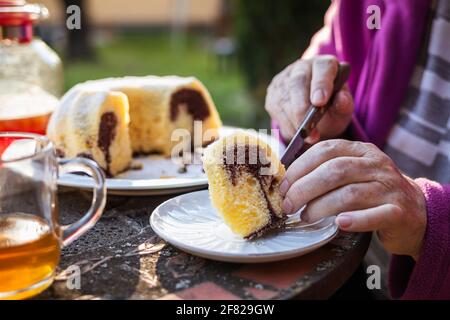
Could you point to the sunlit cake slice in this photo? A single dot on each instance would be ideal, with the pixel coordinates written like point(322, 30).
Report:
point(93, 124)
point(244, 176)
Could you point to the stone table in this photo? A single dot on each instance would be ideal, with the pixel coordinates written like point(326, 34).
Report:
point(122, 258)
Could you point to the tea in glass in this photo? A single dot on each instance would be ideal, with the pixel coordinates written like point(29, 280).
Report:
point(28, 248)
point(30, 234)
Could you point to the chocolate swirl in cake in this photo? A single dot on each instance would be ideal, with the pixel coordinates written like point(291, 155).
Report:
point(194, 102)
point(106, 135)
point(253, 163)
point(86, 156)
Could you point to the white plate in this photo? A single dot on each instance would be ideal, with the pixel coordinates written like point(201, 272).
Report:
point(190, 223)
point(148, 181)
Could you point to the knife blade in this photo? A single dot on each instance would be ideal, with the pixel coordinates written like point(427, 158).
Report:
point(313, 117)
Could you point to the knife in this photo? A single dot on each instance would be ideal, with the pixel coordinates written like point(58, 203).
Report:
point(313, 116)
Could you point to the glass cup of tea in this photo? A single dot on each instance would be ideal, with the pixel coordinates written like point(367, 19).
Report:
point(31, 237)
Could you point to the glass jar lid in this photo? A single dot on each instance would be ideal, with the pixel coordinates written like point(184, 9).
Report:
point(19, 12)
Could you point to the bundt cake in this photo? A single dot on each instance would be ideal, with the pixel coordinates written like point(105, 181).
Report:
point(157, 106)
point(244, 176)
point(93, 124)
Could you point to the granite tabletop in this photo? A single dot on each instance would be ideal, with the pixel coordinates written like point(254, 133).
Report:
point(122, 258)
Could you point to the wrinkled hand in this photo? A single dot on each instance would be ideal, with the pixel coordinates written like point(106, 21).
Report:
point(301, 84)
point(363, 187)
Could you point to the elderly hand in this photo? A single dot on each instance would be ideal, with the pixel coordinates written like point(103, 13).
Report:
point(304, 82)
point(363, 187)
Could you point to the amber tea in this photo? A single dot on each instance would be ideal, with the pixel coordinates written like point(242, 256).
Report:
point(31, 236)
point(29, 254)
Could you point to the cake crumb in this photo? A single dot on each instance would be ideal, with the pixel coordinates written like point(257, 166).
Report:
point(136, 166)
point(182, 169)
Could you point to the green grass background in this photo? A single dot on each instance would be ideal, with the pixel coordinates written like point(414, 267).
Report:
point(141, 54)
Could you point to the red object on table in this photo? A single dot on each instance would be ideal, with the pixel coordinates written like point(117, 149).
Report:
point(4, 144)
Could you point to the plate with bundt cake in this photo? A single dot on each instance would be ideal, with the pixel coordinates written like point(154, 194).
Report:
point(146, 133)
point(240, 219)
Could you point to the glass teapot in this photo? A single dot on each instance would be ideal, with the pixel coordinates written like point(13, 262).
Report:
point(31, 77)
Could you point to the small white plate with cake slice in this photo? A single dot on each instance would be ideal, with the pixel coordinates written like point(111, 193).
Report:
point(155, 175)
point(191, 223)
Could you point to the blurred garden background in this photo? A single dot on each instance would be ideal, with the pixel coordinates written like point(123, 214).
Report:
point(234, 47)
